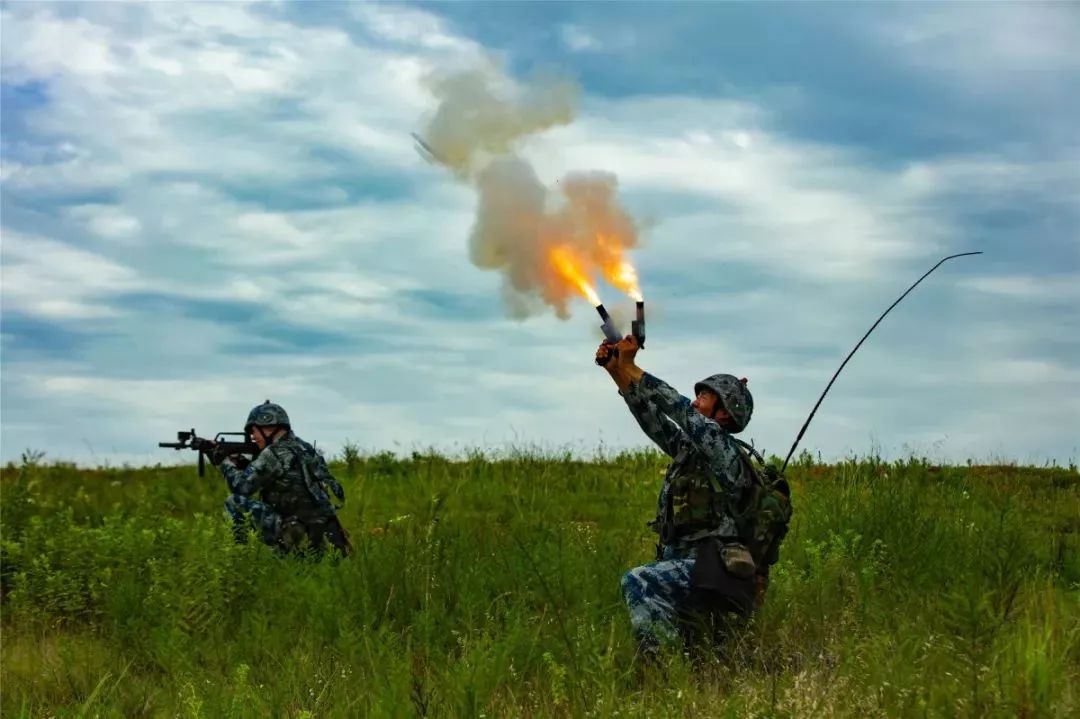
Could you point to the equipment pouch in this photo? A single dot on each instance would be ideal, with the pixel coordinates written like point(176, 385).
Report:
point(708, 573)
point(292, 533)
point(737, 560)
point(717, 586)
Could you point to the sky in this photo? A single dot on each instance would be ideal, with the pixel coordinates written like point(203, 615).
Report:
point(207, 205)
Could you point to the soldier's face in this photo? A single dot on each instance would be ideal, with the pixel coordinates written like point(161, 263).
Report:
point(257, 438)
point(259, 435)
point(706, 403)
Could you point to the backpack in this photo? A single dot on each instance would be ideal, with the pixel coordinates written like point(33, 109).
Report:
point(765, 512)
point(320, 482)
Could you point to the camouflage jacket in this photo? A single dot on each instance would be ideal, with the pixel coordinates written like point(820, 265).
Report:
point(290, 477)
point(705, 482)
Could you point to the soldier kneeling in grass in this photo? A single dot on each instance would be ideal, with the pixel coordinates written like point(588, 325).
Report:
point(294, 512)
point(703, 567)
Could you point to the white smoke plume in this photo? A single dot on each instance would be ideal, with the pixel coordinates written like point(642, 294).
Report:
point(482, 113)
point(481, 119)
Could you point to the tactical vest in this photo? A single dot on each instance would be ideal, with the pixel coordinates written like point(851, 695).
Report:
point(692, 504)
point(295, 493)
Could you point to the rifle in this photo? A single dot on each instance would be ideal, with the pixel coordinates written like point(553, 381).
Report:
point(217, 445)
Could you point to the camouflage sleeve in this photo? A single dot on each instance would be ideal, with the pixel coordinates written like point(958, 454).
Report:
point(706, 435)
point(246, 482)
point(653, 422)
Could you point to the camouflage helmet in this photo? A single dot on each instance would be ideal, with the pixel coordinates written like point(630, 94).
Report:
point(733, 396)
point(267, 414)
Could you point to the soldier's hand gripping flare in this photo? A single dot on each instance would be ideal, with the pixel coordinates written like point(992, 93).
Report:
point(611, 334)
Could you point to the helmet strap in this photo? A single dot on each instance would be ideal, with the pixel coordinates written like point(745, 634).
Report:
point(263, 435)
point(716, 408)
point(717, 404)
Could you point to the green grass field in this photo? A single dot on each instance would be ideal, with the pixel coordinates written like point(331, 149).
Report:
point(490, 587)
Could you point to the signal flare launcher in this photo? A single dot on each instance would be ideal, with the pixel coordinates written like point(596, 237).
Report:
point(611, 333)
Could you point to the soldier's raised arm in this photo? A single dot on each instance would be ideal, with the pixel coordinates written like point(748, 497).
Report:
point(733, 404)
point(652, 422)
point(705, 433)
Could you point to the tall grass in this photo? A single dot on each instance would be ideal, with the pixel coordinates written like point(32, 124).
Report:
point(489, 587)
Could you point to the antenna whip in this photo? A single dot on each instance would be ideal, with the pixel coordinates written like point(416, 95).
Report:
point(837, 374)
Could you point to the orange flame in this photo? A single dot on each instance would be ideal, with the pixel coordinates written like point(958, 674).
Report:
point(564, 263)
point(625, 278)
point(616, 268)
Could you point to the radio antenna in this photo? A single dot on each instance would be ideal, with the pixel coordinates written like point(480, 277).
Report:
point(837, 374)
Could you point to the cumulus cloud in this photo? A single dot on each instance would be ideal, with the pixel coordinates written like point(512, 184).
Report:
point(226, 204)
point(107, 221)
point(46, 278)
point(762, 197)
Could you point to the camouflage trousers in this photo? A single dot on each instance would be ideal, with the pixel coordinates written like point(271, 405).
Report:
point(668, 603)
point(283, 533)
point(657, 595)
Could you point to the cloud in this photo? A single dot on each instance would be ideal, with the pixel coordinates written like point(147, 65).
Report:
point(411, 27)
point(818, 207)
point(226, 67)
point(57, 47)
point(107, 221)
point(47, 279)
point(1013, 65)
point(981, 41)
point(577, 39)
point(1064, 288)
point(208, 204)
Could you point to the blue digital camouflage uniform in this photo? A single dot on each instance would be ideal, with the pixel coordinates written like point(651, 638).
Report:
point(707, 476)
point(293, 509)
